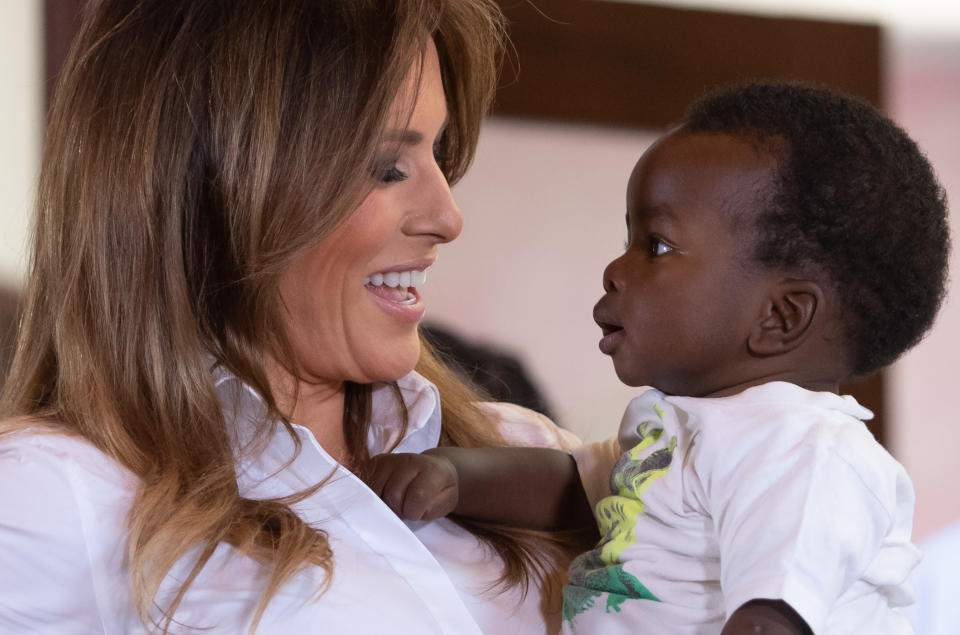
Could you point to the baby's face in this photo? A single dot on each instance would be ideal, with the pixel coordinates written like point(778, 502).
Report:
point(682, 298)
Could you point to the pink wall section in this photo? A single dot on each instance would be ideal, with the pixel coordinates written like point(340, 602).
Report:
point(924, 96)
point(543, 211)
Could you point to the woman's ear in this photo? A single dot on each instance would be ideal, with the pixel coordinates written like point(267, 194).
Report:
point(787, 317)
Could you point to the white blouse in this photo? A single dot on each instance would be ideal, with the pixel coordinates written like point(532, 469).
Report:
point(63, 539)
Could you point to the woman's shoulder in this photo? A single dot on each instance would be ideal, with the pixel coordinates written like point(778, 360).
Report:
point(40, 456)
point(36, 463)
point(36, 437)
point(521, 426)
point(63, 505)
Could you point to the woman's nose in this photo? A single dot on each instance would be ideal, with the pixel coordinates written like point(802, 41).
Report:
point(437, 214)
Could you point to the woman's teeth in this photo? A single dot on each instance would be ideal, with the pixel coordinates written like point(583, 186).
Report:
point(398, 279)
point(395, 286)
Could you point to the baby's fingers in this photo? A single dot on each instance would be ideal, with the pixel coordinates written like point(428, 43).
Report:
point(396, 490)
point(376, 472)
point(431, 494)
point(388, 475)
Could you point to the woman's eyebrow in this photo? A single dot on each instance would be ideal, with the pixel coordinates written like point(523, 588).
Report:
point(405, 137)
point(410, 137)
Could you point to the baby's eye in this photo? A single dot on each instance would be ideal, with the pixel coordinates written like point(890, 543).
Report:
point(658, 247)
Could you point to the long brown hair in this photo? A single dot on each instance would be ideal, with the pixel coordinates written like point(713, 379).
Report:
point(193, 150)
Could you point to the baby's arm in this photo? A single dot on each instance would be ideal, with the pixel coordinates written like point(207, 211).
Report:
point(534, 488)
point(769, 617)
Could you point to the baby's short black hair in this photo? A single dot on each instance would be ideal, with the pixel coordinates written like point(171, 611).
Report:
point(853, 198)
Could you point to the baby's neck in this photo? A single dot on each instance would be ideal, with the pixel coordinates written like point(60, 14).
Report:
point(810, 383)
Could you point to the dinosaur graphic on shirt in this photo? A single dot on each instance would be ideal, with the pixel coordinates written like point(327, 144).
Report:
point(600, 571)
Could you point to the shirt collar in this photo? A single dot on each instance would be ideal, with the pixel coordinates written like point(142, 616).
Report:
point(245, 409)
point(782, 391)
point(422, 400)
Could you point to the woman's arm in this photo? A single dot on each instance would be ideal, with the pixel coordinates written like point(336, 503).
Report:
point(534, 488)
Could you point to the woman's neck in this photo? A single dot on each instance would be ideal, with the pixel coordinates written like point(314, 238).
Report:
point(315, 405)
point(319, 409)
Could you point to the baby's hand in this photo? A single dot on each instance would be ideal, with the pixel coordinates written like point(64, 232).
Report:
point(414, 486)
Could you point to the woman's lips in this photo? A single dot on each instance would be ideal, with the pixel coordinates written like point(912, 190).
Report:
point(398, 295)
point(395, 290)
point(401, 303)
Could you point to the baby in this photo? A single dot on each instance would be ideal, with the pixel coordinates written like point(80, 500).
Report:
point(782, 239)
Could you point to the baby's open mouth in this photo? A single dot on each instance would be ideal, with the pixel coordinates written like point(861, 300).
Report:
point(397, 286)
point(612, 334)
point(607, 329)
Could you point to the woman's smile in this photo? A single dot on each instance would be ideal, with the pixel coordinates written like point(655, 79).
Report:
point(395, 290)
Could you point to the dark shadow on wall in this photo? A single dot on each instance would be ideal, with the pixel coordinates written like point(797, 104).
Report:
point(499, 374)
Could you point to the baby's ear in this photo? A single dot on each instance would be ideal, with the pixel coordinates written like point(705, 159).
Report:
point(786, 318)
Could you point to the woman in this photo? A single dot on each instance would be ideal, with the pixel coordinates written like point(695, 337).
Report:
point(211, 344)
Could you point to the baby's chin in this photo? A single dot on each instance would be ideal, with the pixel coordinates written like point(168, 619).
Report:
point(675, 387)
point(632, 379)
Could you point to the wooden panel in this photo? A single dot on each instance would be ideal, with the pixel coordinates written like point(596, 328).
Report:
point(639, 65)
point(61, 19)
point(635, 65)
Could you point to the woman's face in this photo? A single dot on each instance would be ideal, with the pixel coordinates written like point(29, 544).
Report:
point(346, 314)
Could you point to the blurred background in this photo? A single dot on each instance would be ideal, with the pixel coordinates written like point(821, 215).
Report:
point(587, 88)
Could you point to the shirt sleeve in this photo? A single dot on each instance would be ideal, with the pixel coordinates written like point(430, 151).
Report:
point(799, 517)
point(45, 579)
point(595, 463)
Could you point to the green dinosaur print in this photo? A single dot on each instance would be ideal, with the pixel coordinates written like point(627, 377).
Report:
point(600, 571)
point(618, 585)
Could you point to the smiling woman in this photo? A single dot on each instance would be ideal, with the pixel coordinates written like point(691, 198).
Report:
point(341, 325)
point(238, 203)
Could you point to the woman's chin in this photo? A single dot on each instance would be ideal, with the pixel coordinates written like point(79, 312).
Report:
point(391, 362)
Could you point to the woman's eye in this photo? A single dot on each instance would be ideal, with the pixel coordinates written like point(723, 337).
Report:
point(389, 173)
point(658, 247)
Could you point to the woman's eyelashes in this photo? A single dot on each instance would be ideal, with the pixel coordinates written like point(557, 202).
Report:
point(387, 171)
point(390, 174)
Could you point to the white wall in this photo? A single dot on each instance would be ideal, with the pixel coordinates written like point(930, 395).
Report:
point(924, 95)
point(20, 129)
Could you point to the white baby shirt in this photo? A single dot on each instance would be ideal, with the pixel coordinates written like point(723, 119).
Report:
point(776, 493)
